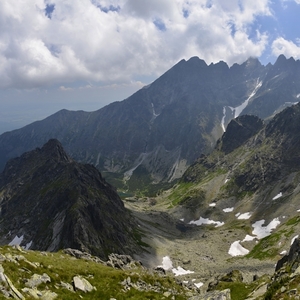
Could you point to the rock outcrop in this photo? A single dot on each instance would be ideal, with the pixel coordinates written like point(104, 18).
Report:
point(50, 202)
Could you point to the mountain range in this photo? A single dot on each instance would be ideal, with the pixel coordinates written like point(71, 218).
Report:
point(154, 135)
point(235, 206)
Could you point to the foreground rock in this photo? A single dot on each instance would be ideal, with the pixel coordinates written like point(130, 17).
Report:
point(82, 278)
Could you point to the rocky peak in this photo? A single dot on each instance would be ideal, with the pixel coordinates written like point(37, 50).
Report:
point(196, 61)
point(49, 201)
point(252, 62)
point(280, 60)
point(54, 150)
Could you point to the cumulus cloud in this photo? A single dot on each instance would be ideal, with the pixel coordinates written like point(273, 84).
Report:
point(286, 47)
point(44, 42)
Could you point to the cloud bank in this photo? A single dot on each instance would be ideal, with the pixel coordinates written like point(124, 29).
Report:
point(61, 41)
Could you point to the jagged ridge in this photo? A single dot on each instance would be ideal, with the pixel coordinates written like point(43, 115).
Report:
point(53, 202)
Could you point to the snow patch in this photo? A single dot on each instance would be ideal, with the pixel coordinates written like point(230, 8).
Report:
point(284, 252)
point(206, 221)
point(263, 231)
point(16, 241)
point(182, 220)
point(236, 249)
point(212, 204)
point(293, 239)
point(181, 271)
point(244, 216)
point(238, 110)
point(153, 111)
point(198, 285)
point(28, 245)
point(168, 265)
point(223, 119)
point(277, 196)
point(228, 209)
point(248, 238)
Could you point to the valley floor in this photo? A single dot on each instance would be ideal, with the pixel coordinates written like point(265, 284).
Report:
point(200, 249)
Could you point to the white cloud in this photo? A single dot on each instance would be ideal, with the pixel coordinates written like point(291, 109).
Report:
point(288, 48)
point(118, 40)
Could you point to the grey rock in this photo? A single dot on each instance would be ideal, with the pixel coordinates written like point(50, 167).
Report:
point(82, 255)
point(67, 286)
point(14, 291)
point(123, 262)
point(37, 279)
point(82, 284)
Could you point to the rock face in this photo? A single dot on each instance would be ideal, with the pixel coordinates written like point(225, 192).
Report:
point(292, 259)
point(238, 131)
point(259, 174)
point(49, 202)
point(284, 284)
point(155, 134)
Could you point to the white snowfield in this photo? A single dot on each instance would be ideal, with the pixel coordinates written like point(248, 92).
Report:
point(259, 232)
point(293, 239)
point(248, 238)
point(206, 221)
point(236, 249)
point(277, 196)
point(18, 240)
point(262, 231)
point(238, 110)
point(168, 265)
point(228, 209)
point(244, 216)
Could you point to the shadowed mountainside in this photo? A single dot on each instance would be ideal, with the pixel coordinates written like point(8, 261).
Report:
point(51, 202)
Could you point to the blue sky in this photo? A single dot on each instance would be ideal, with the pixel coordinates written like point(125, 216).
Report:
point(84, 54)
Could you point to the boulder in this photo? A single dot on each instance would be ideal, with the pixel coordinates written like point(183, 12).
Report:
point(82, 284)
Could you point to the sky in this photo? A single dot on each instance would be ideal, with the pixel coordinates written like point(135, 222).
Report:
point(84, 54)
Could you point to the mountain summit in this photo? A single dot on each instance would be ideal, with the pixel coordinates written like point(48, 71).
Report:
point(49, 202)
point(155, 134)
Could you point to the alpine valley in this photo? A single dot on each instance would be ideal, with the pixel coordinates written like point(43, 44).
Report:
point(209, 156)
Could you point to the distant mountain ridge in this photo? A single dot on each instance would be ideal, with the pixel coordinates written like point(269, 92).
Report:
point(155, 134)
point(49, 202)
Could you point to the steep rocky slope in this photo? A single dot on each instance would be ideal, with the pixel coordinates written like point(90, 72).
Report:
point(49, 202)
point(244, 198)
point(155, 134)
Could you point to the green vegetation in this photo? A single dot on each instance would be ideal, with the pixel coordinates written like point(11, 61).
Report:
point(180, 191)
point(266, 247)
point(293, 221)
point(62, 268)
point(239, 290)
